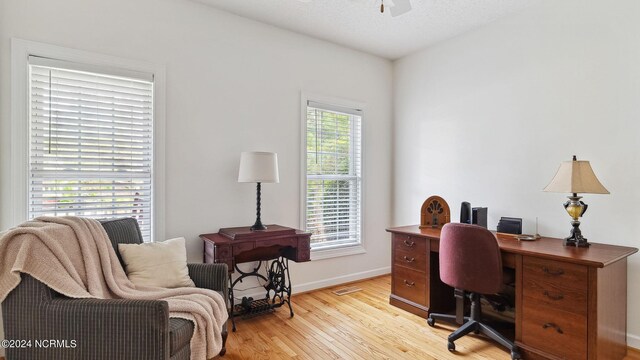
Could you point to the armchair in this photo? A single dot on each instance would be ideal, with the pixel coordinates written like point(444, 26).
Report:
point(103, 329)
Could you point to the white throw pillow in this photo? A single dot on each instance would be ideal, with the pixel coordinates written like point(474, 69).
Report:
point(162, 264)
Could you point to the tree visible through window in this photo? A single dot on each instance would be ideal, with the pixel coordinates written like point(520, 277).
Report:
point(333, 175)
point(91, 143)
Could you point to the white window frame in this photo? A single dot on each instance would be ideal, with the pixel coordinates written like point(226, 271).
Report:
point(20, 52)
point(344, 250)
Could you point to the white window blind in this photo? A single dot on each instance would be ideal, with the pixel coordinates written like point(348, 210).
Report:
point(333, 175)
point(91, 142)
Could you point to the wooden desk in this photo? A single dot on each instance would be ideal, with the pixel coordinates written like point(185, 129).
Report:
point(233, 246)
point(571, 303)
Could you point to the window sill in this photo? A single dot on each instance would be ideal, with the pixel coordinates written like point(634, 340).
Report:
point(319, 254)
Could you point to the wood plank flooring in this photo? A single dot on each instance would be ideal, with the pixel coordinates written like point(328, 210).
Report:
point(360, 326)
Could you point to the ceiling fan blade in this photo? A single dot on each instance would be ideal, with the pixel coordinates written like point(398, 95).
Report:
point(400, 7)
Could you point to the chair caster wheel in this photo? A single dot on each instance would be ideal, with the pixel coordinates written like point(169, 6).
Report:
point(515, 355)
point(451, 346)
point(431, 322)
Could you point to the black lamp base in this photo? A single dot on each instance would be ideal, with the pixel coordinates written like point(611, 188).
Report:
point(575, 238)
point(577, 243)
point(258, 225)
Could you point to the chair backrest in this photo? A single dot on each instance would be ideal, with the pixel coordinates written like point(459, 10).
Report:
point(470, 258)
point(122, 231)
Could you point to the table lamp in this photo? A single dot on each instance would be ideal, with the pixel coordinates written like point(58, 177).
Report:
point(258, 167)
point(575, 177)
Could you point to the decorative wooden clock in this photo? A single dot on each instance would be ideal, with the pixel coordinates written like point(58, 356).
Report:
point(434, 213)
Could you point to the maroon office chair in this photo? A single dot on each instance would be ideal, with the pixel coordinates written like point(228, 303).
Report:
point(470, 262)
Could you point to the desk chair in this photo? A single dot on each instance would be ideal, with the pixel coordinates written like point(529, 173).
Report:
point(470, 262)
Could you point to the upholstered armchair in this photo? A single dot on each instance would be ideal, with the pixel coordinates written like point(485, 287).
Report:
point(103, 329)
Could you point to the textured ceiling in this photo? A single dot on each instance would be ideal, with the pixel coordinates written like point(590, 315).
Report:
point(360, 25)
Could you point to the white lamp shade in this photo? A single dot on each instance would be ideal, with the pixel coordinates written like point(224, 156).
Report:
point(258, 166)
point(576, 176)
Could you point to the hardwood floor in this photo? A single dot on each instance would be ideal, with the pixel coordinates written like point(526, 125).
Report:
point(360, 325)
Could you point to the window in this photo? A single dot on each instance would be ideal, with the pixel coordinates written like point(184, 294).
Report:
point(90, 142)
point(333, 191)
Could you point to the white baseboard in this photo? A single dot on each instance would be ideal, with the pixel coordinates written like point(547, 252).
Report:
point(313, 285)
point(341, 279)
point(633, 341)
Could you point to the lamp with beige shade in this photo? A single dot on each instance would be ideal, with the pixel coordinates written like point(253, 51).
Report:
point(576, 177)
point(258, 167)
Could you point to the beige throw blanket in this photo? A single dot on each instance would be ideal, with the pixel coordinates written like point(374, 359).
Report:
point(74, 257)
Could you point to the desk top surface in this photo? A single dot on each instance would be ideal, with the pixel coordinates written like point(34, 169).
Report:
point(598, 255)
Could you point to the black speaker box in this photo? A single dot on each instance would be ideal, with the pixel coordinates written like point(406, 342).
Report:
point(479, 216)
point(465, 213)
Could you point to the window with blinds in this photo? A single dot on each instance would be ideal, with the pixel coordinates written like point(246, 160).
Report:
point(333, 175)
point(91, 142)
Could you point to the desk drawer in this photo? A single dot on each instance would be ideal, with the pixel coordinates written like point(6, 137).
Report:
point(410, 284)
point(410, 259)
point(554, 331)
point(552, 295)
point(411, 244)
point(555, 274)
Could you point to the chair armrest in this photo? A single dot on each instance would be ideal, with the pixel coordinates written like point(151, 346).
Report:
point(210, 276)
point(213, 277)
point(100, 329)
point(115, 312)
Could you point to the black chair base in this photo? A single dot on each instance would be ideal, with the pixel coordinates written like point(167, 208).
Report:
point(473, 324)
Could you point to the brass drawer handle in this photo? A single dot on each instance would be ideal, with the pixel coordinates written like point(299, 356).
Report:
point(553, 325)
point(553, 272)
point(410, 284)
point(409, 243)
point(408, 259)
point(553, 297)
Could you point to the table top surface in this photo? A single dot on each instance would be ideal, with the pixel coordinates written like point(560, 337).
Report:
point(244, 233)
point(598, 255)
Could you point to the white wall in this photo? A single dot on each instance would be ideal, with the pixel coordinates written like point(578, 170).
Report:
point(232, 85)
point(488, 116)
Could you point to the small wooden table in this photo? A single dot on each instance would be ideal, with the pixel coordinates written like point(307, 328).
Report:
point(278, 244)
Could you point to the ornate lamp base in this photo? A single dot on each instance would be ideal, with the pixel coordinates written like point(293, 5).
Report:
point(575, 238)
point(575, 208)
